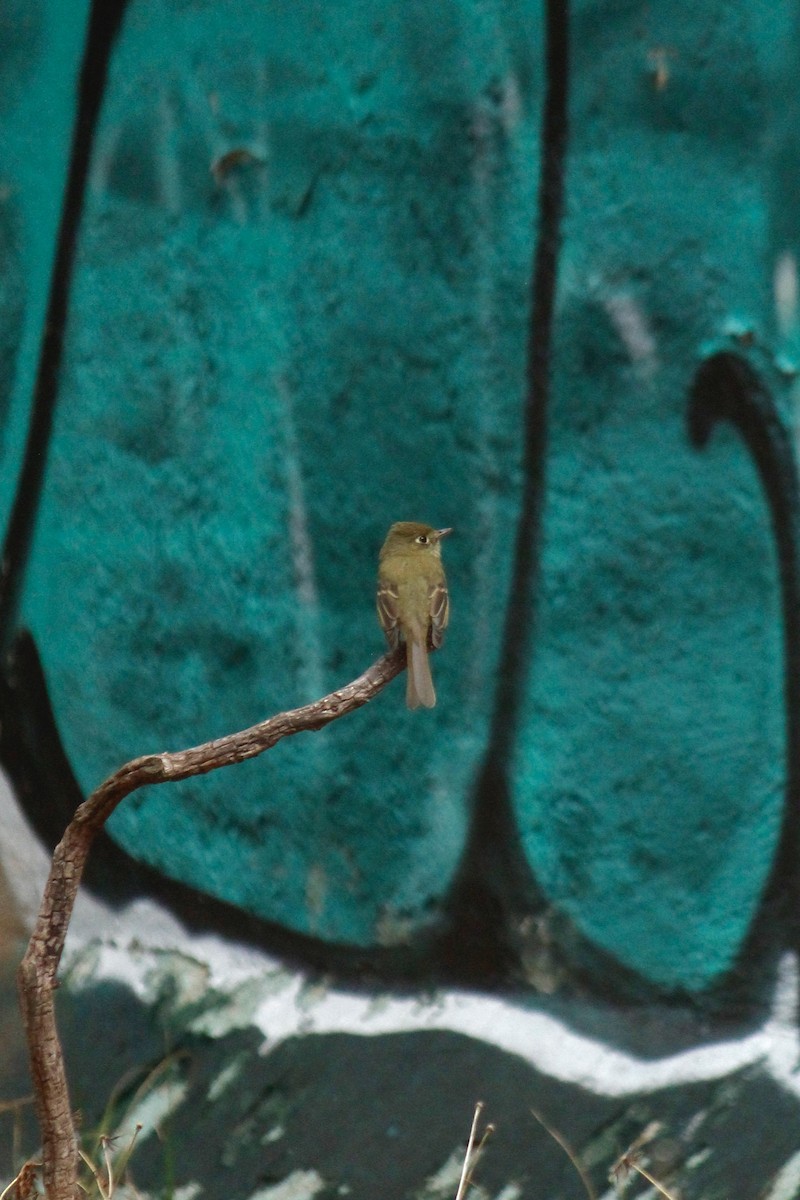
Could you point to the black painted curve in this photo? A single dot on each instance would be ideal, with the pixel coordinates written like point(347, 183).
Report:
point(727, 388)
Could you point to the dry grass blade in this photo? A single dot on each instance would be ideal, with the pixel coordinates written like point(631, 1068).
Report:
point(465, 1170)
point(632, 1165)
point(100, 1183)
point(629, 1161)
point(109, 1165)
point(114, 1172)
point(570, 1153)
point(125, 1157)
point(473, 1152)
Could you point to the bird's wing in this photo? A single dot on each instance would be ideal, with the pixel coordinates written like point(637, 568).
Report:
point(387, 612)
point(440, 613)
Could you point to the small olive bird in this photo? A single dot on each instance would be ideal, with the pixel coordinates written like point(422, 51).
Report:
point(413, 604)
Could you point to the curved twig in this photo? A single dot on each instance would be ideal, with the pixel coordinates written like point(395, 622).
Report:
point(37, 972)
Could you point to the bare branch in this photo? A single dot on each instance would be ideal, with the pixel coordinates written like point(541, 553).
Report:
point(37, 972)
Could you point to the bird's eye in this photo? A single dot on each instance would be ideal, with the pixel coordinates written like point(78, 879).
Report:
point(423, 539)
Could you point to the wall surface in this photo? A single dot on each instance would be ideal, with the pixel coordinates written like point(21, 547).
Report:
point(273, 276)
point(291, 303)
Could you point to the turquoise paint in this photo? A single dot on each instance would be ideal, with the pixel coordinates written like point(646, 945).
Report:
point(42, 45)
point(259, 377)
point(649, 778)
point(261, 374)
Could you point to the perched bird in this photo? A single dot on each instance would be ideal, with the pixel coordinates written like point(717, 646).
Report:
point(413, 604)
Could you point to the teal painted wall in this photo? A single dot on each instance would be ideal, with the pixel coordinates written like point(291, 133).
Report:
point(262, 371)
point(41, 52)
point(649, 776)
point(258, 378)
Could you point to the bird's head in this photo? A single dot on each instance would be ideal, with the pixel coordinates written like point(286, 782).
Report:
point(412, 537)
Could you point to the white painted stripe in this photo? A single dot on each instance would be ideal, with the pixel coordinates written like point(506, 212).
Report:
point(787, 1182)
point(129, 947)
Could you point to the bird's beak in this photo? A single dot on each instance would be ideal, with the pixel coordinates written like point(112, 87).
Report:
point(442, 533)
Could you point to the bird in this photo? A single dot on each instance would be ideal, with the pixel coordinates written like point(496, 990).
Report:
point(413, 602)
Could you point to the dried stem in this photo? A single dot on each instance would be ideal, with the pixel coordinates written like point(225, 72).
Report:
point(651, 1179)
point(570, 1153)
point(630, 1160)
point(37, 972)
point(473, 1152)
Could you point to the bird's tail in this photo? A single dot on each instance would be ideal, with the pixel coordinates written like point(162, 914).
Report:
point(419, 684)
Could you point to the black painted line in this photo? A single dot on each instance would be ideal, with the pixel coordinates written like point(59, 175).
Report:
point(520, 617)
point(726, 388)
point(104, 23)
point(494, 883)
